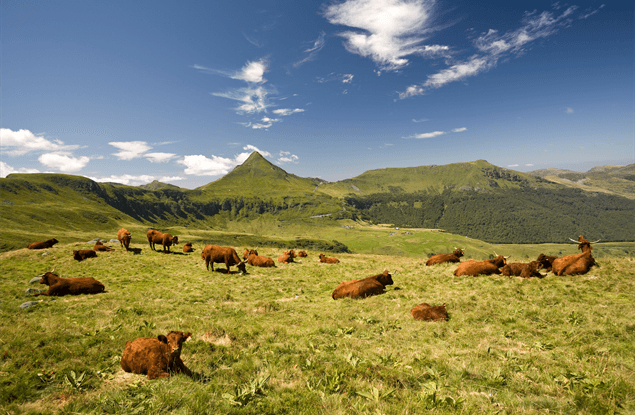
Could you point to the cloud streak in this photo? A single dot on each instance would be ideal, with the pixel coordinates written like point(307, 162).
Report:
point(433, 134)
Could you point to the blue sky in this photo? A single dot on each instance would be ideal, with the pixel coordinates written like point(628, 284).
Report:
point(182, 92)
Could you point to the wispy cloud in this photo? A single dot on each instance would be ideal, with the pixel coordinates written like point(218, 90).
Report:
point(420, 120)
point(63, 161)
point(435, 133)
point(287, 157)
point(287, 111)
point(313, 51)
point(254, 100)
point(17, 143)
point(391, 30)
point(159, 157)
point(493, 46)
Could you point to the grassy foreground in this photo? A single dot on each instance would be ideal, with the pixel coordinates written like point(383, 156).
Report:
point(274, 342)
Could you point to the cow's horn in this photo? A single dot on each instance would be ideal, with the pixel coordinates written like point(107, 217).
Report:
point(595, 241)
point(574, 241)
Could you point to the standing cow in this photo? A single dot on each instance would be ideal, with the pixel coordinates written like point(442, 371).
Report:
point(165, 239)
point(222, 255)
point(124, 238)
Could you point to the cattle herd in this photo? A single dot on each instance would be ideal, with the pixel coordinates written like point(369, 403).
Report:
point(158, 357)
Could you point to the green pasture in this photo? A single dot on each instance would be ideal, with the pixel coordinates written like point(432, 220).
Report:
point(274, 342)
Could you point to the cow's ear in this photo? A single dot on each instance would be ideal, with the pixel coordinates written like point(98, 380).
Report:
point(186, 335)
point(162, 339)
point(443, 305)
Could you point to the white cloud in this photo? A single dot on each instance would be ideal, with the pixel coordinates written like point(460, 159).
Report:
point(24, 141)
point(200, 165)
point(347, 78)
point(312, 51)
point(287, 111)
point(459, 130)
point(254, 100)
point(63, 161)
point(159, 157)
point(392, 29)
point(5, 170)
point(167, 179)
point(492, 47)
point(128, 179)
point(435, 133)
point(420, 120)
point(512, 165)
point(253, 148)
point(252, 72)
point(287, 157)
point(130, 149)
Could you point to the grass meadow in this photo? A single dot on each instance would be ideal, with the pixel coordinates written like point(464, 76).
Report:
point(274, 342)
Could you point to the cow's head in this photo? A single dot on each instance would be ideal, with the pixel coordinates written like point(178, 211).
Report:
point(175, 240)
point(77, 256)
point(242, 268)
point(174, 340)
point(47, 278)
point(458, 252)
point(54, 241)
point(385, 278)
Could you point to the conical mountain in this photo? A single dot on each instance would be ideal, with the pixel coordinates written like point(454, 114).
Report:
point(257, 177)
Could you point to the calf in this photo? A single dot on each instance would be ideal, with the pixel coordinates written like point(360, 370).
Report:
point(248, 252)
point(83, 254)
point(443, 258)
point(302, 254)
point(260, 261)
point(546, 261)
point(101, 247)
point(222, 255)
point(328, 260)
point(426, 312)
point(187, 247)
point(523, 270)
point(475, 268)
point(69, 286)
point(287, 257)
point(575, 264)
point(165, 239)
point(363, 288)
point(43, 244)
point(124, 238)
point(155, 357)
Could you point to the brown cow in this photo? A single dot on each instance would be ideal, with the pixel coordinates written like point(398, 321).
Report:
point(83, 254)
point(222, 255)
point(165, 239)
point(302, 254)
point(443, 258)
point(259, 261)
point(424, 311)
point(187, 247)
point(523, 270)
point(475, 268)
point(59, 286)
point(328, 260)
point(124, 238)
point(575, 264)
point(101, 247)
point(248, 252)
point(42, 245)
point(546, 261)
point(363, 288)
point(287, 257)
point(155, 357)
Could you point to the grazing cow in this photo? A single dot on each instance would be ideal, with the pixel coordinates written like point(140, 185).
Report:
point(442, 258)
point(363, 288)
point(259, 261)
point(155, 357)
point(302, 254)
point(287, 257)
point(523, 270)
point(426, 312)
point(42, 245)
point(83, 254)
point(124, 238)
point(328, 260)
point(187, 247)
point(546, 261)
point(222, 255)
point(575, 264)
point(475, 268)
point(101, 247)
point(248, 252)
point(165, 239)
point(59, 286)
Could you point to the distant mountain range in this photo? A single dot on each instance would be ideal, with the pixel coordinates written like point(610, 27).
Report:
point(475, 199)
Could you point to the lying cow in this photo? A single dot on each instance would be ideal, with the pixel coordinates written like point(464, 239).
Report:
point(327, 260)
point(101, 247)
point(287, 257)
point(248, 252)
point(187, 247)
point(259, 261)
point(124, 238)
point(426, 312)
point(165, 239)
point(59, 286)
point(524, 270)
point(302, 254)
point(475, 268)
point(155, 357)
point(363, 288)
point(575, 264)
point(443, 258)
point(222, 255)
point(546, 261)
point(83, 254)
point(42, 245)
